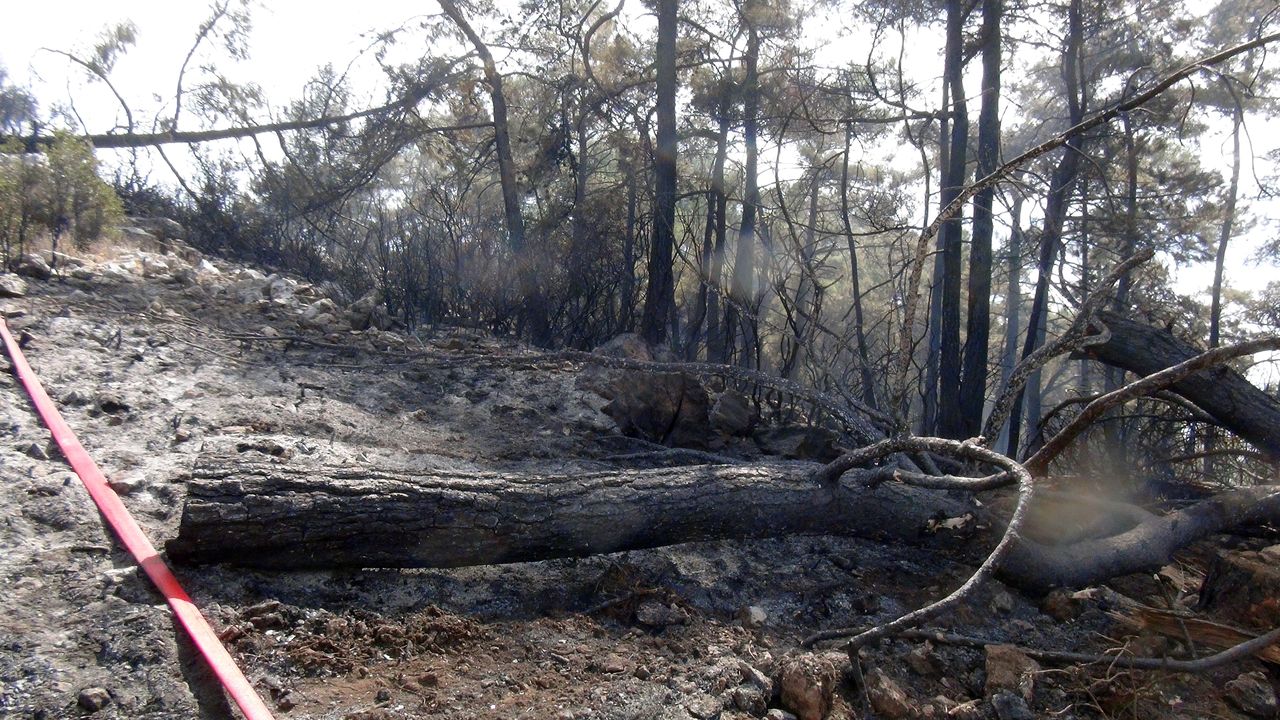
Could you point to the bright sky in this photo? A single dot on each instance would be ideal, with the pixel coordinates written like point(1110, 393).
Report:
point(292, 38)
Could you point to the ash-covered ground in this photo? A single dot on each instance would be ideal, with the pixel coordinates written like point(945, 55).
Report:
point(153, 356)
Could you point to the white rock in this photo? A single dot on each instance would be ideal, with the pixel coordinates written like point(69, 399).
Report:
point(12, 286)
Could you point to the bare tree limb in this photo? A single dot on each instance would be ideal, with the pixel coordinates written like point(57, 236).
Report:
point(912, 301)
point(134, 140)
point(969, 451)
point(1039, 462)
point(1074, 338)
point(1239, 652)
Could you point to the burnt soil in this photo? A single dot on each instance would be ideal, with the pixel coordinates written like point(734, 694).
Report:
point(149, 365)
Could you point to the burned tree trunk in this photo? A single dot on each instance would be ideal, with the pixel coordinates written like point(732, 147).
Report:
point(1228, 396)
point(266, 512)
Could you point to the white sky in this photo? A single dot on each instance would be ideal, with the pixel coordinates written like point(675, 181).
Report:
point(292, 38)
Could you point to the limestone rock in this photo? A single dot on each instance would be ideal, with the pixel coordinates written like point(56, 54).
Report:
point(752, 617)
point(732, 414)
point(807, 683)
point(160, 227)
point(1011, 706)
point(12, 286)
point(1008, 668)
point(128, 483)
point(887, 698)
point(1253, 694)
point(33, 266)
point(704, 707)
point(323, 306)
point(751, 700)
point(368, 312)
point(798, 442)
point(247, 291)
point(669, 408)
point(656, 613)
point(94, 699)
point(280, 290)
point(627, 346)
point(137, 235)
point(923, 661)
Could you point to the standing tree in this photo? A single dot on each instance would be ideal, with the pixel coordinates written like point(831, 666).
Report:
point(659, 304)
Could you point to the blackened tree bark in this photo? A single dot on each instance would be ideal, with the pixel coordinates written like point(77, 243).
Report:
point(1013, 314)
point(1222, 392)
point(626, 316)
point(1061, 186)
point(659, 302)
point(716, 330)
point(859, 329)
point(973, 381)
point(707, 305)
point(1228, 221)
point(950, 422)
point(534, 315)
point(307, 515)
point(743, 271)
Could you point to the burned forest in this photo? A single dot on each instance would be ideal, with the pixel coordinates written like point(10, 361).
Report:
point(679, 359)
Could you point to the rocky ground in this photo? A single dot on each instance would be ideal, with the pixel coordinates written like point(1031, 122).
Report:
point(153, 356)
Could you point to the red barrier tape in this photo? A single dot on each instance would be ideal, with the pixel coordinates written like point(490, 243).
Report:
point(224, 667)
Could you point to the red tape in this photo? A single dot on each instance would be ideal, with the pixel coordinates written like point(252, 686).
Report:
point(224, 667)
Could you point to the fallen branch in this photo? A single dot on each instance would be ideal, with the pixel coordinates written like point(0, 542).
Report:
point(1026, 486)
point(252, 509)
point(1149, 544)
point(1167, 378)
point(1242, 651)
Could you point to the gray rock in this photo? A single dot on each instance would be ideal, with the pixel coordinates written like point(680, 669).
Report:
point(280, 290)
point(779, 714)
point(798, 442)
point(138, 235)
point(368, 312)
point(923, 661)
point(704, 707)
point(752, 617)
point(12, 286)
point(154, 266)
point(128, 483)
point(669, 408)
point(627, 346)
point(323, 306)
point(1252, 693)
point(656, 613)
point(161, 227)
point(732, 414)
point(887, 698)
point(94, 699)
point(1011, 706)
point(750, 699)
point(1002, 602)
point(33, 266)
point(247, 291)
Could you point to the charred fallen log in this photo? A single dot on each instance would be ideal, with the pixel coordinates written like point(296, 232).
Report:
point(1234, 402)
point(255, 510)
